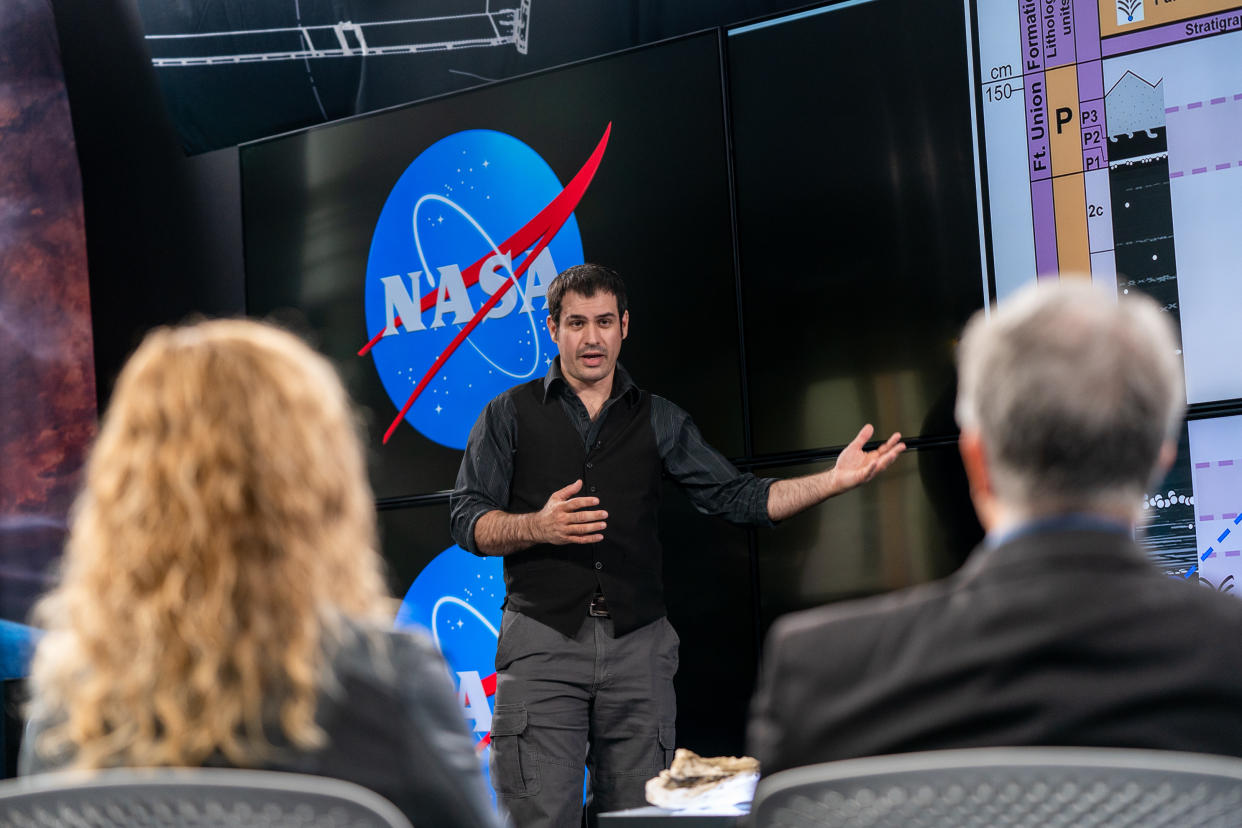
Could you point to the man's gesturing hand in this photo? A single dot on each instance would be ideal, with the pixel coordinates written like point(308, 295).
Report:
point(855, 466)
point(562, 519)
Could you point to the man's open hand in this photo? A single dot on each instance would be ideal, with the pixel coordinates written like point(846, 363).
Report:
point(855, 466)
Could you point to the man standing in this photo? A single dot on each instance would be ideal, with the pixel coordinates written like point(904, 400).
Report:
point(562, 476)
point(1058, 630)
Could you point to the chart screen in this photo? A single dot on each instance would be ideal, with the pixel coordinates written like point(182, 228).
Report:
point(1110, 152)
point(1190, 522)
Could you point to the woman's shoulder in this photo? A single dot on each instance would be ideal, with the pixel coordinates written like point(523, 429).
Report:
point(358, 633)
point(388, 655)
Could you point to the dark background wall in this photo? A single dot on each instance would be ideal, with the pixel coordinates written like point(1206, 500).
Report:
point(164, 233)
point(163, 230)
point(841, 280)
point(164, 243)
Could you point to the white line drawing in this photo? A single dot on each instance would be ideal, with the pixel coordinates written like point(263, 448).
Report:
point(450, 599)
point(345, 38)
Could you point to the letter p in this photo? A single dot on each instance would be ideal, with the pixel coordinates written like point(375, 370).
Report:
point(1064, 116)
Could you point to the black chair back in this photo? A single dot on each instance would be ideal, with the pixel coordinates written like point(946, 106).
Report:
point(192, 798)
point(1019, 787)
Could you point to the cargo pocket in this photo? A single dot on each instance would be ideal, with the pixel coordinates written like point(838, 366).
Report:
point(512, 768)
point(668, 742)
point(667, 655)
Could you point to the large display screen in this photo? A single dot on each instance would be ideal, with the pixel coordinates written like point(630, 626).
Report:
point(710, 593)
point(387, 236)
point(1190, 521)
point(1216, 463)
point(857, 217)
point(1111, 153)
point(912, 524)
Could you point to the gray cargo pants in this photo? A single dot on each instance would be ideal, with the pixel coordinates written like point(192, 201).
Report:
point(561, 700)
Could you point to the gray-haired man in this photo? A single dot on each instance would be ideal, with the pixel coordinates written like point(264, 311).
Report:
point(1057, 631)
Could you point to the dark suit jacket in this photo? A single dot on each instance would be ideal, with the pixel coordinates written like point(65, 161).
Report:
point(1056, 638)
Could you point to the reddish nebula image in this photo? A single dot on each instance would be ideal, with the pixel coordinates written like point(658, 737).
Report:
point(47, 378)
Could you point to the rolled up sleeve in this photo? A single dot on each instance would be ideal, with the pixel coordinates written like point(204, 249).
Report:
point(486, 471)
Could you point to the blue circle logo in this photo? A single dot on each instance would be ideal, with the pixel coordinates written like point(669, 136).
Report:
point(456, 600)
point(454, 295)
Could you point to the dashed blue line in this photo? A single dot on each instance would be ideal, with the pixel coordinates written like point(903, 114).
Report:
point(1208, 552)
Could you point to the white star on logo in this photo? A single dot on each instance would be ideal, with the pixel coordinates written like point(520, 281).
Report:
point(438, 409)
point(485, 163)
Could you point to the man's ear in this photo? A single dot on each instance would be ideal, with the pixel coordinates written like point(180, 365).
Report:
point(1168, 454)
point(975, 460)
point(625, 324)
point(552, 328)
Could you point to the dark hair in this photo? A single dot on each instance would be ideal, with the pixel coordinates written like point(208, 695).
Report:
point(585, 280)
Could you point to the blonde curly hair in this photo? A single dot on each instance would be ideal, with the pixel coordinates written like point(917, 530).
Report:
point(224, 530)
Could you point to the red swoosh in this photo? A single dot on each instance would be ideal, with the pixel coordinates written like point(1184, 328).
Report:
point(489, 689)
point(534, 236)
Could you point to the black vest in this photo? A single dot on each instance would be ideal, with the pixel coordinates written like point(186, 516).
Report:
point(555, 584)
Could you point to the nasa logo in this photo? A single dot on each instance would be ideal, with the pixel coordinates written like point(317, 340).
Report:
point(456, 599)
point(457, 259)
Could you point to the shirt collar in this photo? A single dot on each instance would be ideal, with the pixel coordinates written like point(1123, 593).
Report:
point(1080, 539)
point(1068, 522)
point(622, 384)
